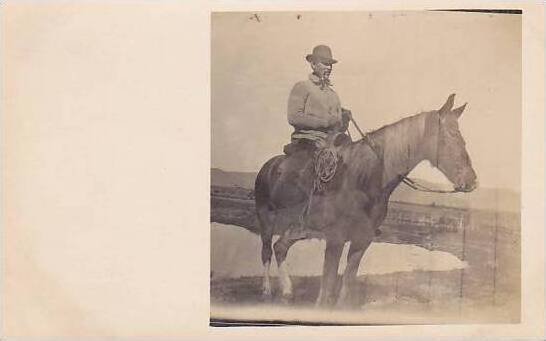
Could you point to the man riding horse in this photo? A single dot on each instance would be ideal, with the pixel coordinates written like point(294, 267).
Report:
point(320, 123)
point(353, 200)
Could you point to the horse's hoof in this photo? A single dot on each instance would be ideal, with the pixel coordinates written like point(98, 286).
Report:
point(267, 298)
point(343, 304)
point(267, 293)
point(346, 302)
point(343, 300)
point(321, 303)
point(286, 299)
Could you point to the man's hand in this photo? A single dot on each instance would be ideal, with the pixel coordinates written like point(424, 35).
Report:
point(331, 120)
point(346, 114)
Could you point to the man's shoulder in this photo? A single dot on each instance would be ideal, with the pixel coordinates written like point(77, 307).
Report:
point(302, 86)
point(303, 83)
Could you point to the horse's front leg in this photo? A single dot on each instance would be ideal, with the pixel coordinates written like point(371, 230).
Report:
point(329, 271)
point(356, 252)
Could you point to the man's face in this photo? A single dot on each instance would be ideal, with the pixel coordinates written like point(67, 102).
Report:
point(321, 70)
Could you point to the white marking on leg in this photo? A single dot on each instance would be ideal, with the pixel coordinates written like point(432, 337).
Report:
point(344, 292)
point(267, 281)
point(285, 280)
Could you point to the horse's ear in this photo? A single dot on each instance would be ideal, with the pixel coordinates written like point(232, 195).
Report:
point(458, 112)
point(448, 105)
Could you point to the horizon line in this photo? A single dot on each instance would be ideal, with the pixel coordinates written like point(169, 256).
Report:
point(517, 190)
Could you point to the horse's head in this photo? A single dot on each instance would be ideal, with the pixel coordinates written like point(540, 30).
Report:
point(451, 157)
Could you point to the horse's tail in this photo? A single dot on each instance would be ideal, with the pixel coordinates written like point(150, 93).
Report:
point(262, 191)
point(264, 181)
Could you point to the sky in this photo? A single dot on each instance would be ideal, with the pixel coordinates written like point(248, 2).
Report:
point(391, 65)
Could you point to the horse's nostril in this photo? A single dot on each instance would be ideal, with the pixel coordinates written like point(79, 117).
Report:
point(471, 186)
point(467, 187)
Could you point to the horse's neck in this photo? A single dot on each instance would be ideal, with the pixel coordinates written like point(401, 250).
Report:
point(403, 145)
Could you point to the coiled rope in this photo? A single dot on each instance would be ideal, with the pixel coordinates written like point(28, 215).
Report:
point(326, 161)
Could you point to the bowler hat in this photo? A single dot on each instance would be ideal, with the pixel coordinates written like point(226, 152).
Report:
point(323, 54)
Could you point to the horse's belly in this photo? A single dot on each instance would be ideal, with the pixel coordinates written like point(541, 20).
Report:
point(289, 216)
point(298, 218)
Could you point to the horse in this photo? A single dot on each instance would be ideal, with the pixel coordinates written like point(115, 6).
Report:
point(354, 203)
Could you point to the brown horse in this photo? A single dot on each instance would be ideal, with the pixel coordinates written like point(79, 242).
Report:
point(354, 203)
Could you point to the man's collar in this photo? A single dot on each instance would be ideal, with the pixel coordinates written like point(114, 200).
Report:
point(315, 79)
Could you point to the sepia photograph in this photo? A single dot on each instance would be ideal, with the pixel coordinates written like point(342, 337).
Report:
point(365, 167)
point(282, 170)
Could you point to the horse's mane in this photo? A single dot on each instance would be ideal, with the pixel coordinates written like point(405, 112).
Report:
point(401, 123)
point(392, 142)
point(398, 133)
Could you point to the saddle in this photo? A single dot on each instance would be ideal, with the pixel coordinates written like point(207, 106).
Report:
point(333, 140)
point(312, 164)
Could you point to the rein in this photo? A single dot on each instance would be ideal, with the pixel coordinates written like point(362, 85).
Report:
point(422, 188)
point(406, 180)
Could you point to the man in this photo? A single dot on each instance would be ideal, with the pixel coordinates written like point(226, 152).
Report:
point(314, 108)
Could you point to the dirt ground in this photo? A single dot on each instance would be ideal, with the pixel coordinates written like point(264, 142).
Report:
point(484, 289)
point(385, 299)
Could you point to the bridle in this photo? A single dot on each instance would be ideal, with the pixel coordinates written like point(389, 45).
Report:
point(406, 180)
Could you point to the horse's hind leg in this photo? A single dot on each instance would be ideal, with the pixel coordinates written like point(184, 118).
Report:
point(281, 248)
point(266, 232)
point(266, 260)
